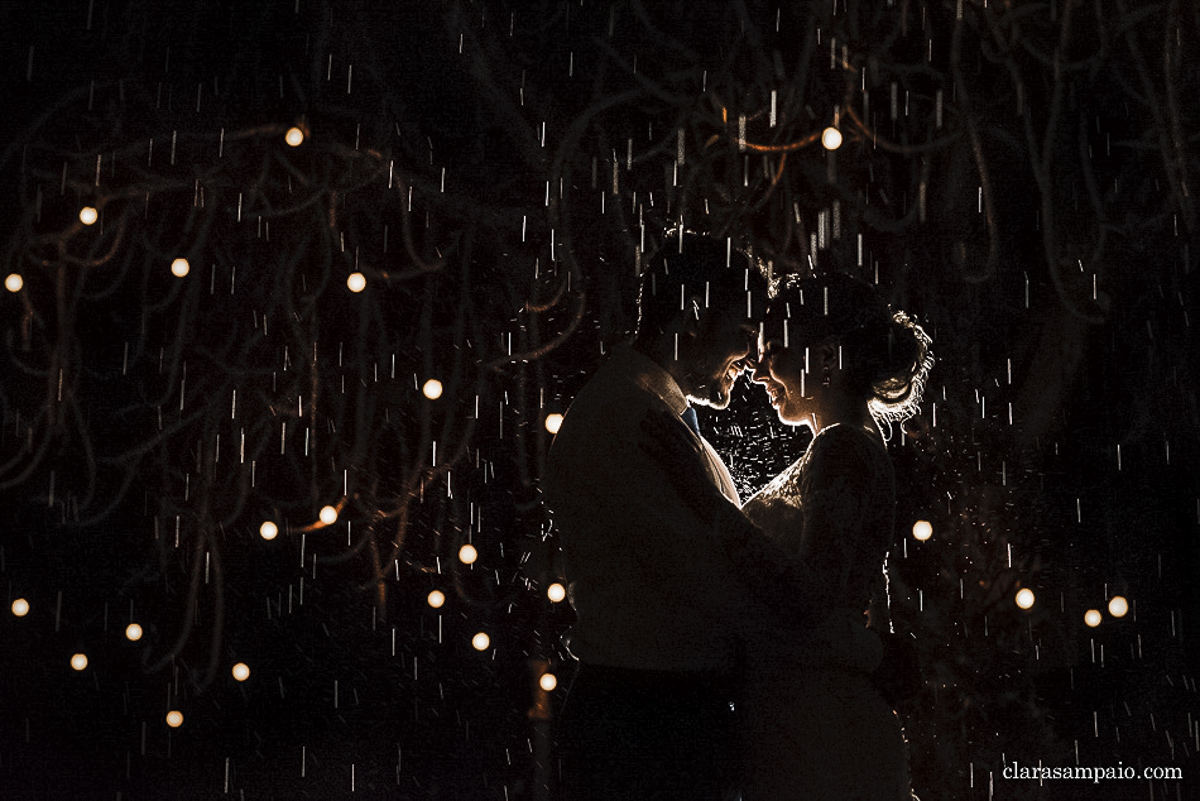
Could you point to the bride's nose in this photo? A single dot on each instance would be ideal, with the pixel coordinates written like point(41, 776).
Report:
point(759, 373)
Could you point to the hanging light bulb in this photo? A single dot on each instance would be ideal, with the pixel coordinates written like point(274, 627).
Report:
point(20, 607)
point(922, 530)
point(329, 515)
point(481, 641)
point(556, 592)
point(436, 598)
point(14, 282)
point(133, 632)
point(1025, 598)
point(79, 661)
point(432, 389)
point(294, 137)
point(548, 682)
point(180, 268)
point(356, 282)
point(174, 718)
point(88, 215)
point(1118, 606)
point(268, 530)
point(241, 671)
point(467, 554)
point(1092, 618)
point(831, 138)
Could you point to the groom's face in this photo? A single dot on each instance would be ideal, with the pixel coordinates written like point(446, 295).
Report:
point(724, 346)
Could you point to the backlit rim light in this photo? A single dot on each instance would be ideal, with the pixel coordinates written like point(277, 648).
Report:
point(481, 641)
point(1092, 618)
point(1118, 606)
point(1025, 598)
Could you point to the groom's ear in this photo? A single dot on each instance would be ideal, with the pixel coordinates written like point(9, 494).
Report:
point(691, 316)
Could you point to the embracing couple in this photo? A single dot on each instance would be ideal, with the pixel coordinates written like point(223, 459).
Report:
point(730, 649)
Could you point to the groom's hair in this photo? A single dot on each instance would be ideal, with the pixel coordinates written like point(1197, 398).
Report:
point(715, 272)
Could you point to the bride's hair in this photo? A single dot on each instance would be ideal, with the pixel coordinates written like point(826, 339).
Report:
point(885, 354)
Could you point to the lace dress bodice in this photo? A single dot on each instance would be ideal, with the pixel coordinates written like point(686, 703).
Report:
point(833, 509)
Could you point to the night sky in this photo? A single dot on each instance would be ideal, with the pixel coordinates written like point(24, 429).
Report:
point(293, 292)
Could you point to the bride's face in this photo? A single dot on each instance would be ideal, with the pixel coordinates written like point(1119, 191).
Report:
point(781, 372)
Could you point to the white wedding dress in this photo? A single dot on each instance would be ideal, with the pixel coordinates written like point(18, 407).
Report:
point(812, 724)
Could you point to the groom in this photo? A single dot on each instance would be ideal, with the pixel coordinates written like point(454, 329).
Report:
point(648, 714)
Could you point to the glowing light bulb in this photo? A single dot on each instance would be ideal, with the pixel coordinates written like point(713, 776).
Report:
point(432, 389)
point(356, 282)
point(436, 599)
point(556, 592)
point(20, 607)
point(294, 137)
point(554, 422)
point(180, 268)
point(174, 718)
point(831, 138)
point(268, 530)
point(329, 515)
point(14, 282)
point(467, 554)
point(548, 681)
point(1092, 618)
point(88, 215)
point(241, 671)
point(481, 641)
point(1118, 606)
point(922, 530)
point(79, 661)
point(1025, 598)
point(133, 632)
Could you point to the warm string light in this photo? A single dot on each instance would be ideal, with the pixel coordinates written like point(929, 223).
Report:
point(436, 598)
point(180, 268)
point(14, 282)
point(1025, 598)
point(268, 530)
point(1092, 618)
point(241, 671)
point(548, 682)
point(20, 607)
point(432, 389)
point(922, 530)
point(556, 592)
point(831, 138)
point(133, 632)
point(174, 718)
point(79, 662)
point(554, 422)
point(88, 215)
point(467, 554)
point(329, 515)
point(481, 641)
point(1118, 606)
point(294, 137)
point(356, 282)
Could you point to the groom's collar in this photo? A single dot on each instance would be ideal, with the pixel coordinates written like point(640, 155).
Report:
point(651, 377)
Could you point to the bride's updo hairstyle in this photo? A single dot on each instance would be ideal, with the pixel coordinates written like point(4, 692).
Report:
point(885, 355)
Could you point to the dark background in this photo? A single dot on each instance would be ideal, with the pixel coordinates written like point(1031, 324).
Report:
point(1030, 200)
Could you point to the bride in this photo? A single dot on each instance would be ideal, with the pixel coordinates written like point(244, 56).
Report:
point(813, 725)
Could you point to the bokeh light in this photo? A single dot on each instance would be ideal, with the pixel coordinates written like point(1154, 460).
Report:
point(554, 422)
point(268, 530)
point(1025, 598)
point(1092, 617)
point(329, 515)
point(79, 661)
point(556, 592)
point(548, 681)
point(467, 554)
point(133, 632)
point(241, 671)
point(294, 137)
point(20, 607)
point(831, 138)
point(432, 389)
point(356, 282)
point(481, 641)
point(180, 268)
point(1118, 606)
point(174, 718)
point(88, 215)
point(14, 282)
point(436, 599)
point(922, 530)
